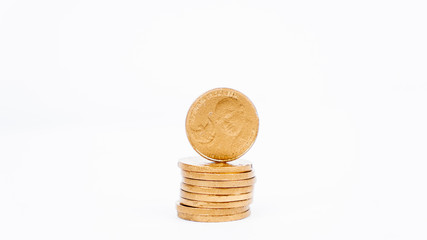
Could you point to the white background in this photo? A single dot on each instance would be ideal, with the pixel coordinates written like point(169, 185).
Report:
point(94, 94)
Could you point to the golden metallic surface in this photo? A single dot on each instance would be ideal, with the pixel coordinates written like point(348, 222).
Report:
point(199, 164)
point(216, 191)
point(215, 198)
point(224, 184)
point(222, 124)
point(218, 176)
point(202, 204)
point(210, 211)
point(214, 218)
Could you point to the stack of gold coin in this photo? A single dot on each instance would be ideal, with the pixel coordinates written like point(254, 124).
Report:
point(215, 191)
point(221, 125)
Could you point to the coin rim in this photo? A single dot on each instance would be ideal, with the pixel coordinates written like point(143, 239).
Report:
point(207, 169)
point(214, 197)
point(215, 190)
point(212, 176)
point(210, 211)
point(203, 204)
point(221, 184)
point(214, 218)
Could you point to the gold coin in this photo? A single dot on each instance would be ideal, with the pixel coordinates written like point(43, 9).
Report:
point(222, 124)
point(218, 176)
point(210, 211)
point(211, 183)
point(215, 198)
point(214, 218)
point(198, 164)
point(216, 191)
point(202, 204)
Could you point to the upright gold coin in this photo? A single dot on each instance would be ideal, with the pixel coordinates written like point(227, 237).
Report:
point(216, 191)
point(214, 218)
point(218, 176)
point(199, 164)
point(215, 198)
point(210, 211)
point(225, 184)
point(202, 204)
point(222, 124)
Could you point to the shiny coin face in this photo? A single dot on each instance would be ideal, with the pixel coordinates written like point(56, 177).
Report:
point(202, 204)
point(216, 191)
point(218, 176)
point(222, 124)
point(210, 211)
point(224, 184)
point(213, 218)
point(199, 164)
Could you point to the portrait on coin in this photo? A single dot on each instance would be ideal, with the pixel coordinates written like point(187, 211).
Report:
point(224, 128)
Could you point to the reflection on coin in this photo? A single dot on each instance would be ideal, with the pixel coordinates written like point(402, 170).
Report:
point(215, 198)
point(216, 191)
point(202, 204)
point(199, 164)
point(218, 176)
point(210, 211)
point(214, 218)
point(211, 183)
point(222, 124)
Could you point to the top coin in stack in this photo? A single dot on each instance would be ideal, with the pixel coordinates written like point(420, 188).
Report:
point(198, 164)
point(222, 124)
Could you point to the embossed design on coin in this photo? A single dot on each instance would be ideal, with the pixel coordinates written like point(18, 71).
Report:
point(222, 124)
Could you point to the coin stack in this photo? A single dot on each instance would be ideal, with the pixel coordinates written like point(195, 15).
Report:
point(215, 191)
point(221, 125)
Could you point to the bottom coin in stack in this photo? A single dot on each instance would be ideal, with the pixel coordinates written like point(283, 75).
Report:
point(202, 204)
point(213, 218)
point(210, 211)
